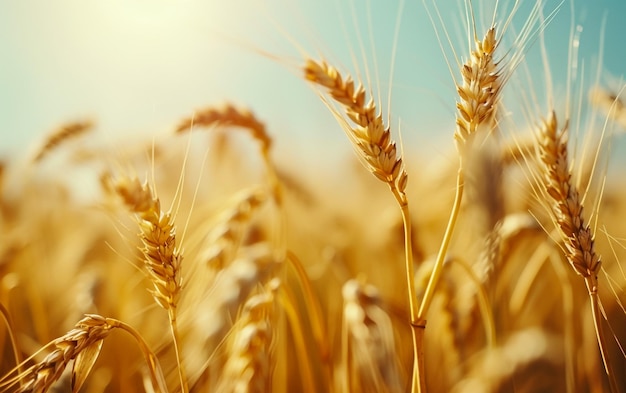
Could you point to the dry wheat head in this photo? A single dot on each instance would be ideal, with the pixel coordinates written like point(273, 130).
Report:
point(480, 89)
point(162, 258)
point(372, 139)
point(564, 200)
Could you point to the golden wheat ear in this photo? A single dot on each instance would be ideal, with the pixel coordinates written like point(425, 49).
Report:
point(249, 364)
point(370, 356)
point(82, 345)
point(58, 137)
point(479, 91)
point(229, 114)
point(227, 235)
point(161, 256)
point(369, 135)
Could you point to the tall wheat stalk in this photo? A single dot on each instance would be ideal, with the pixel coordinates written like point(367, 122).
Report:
point(567, 214)
point(161, 256)
point(372, 142)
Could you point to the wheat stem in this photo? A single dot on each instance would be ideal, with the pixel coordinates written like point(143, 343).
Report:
point(417, 328)
point(313, 307)
point(441, 255)
point(181, 370)
point(372, 141)
point(592, 288)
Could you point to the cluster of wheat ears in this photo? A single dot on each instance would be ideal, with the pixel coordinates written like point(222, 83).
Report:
point(260, 279)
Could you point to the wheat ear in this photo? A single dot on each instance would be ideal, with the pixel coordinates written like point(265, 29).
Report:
point(231, 115)
point(369, 348)
point(567, 214)
point(248, 368)
point(369, 134)
point(372, 141)
point(162, 258)
point(226, 237)
point(63, 134)
point(82, 345)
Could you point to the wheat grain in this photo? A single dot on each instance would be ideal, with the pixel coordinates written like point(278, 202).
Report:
point(372, 141)
point(254, 265)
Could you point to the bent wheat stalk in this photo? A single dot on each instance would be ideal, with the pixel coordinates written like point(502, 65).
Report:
point(567, 214)
point(371, 139)
point(82, 345)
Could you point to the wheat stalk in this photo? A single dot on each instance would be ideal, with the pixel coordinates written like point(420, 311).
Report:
point(161, 256)
point(372, 141)
point(479, 94)
point(567, 214)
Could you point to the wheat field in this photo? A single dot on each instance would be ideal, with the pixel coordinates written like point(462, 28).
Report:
point(208, 258)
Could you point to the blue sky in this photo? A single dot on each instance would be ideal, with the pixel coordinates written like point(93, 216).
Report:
point(138, 66)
